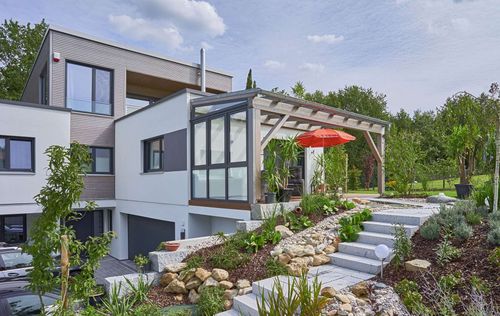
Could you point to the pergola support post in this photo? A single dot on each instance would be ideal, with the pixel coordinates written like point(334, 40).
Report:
point(254, 154)
point(380, 165)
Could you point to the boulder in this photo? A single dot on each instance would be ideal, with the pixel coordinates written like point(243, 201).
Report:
point(342, 298)
point(245, 290)
point(303, 261)
point(294, 250)
point(284, 258)
point(440, 198)
point(335, 242)
point(308, 251)
point(320, 259)
point(202, 274)
point(230, 294)
point(194, 283)
point(346, 307)
point(276, 251)
point(285, 231)
point(178, 297)
point(417, 265)
point(328, 292)
point(330, 249)
point(226, 284)
point(185, 275)
point(175, 267)
point(228, 304)
point(361, 289)
point(193, 297)
point(296, 269)
point(176, 287)
point(210, 282)
point(243, 283)
point(220, 274)
point(166, 278)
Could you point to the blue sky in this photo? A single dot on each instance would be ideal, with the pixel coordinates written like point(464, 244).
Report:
point(417, 52)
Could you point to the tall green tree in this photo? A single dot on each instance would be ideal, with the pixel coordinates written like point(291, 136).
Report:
point(250, 81)
point(18, 49)
point(494, 111)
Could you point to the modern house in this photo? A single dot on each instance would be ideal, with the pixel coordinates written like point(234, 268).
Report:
point(176, 154)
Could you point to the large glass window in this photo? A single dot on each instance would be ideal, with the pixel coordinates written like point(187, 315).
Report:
point(224, 175)
point(153, 154)
point(102, 160)
point(13, 229)
point(16, 154)
point(89, 89)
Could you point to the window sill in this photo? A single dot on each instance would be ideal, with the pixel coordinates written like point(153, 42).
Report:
point(152, 172)
point(92, 114)
point(99, 175)
point(21, 173)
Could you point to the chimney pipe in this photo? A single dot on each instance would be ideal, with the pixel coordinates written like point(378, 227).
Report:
point(202, 70)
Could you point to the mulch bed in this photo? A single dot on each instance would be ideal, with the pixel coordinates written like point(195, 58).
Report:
point(473, 262)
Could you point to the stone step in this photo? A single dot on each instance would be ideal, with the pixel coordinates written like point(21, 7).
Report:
point(376, 239)
point(387, 228)
point(246, 305)
point(403, 216)
point(356, 263)
point(358, 249)
point(266, 286)
point(230, 312)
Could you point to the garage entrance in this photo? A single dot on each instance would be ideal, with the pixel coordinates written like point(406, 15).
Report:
point(144, 234)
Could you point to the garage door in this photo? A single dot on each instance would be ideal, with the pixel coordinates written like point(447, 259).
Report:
point(144, 234)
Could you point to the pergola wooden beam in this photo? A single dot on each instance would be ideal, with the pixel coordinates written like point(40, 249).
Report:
point(274, 130)
point(373, 146)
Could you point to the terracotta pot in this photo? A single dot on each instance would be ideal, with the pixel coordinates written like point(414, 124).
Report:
point(171, 246)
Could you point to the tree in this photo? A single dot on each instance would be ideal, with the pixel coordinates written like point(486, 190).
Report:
point(51, 235)
point(18, 49)
point(495, 112)
point(250, 81)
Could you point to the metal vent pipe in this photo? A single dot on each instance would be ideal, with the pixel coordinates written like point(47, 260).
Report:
point(202, 70)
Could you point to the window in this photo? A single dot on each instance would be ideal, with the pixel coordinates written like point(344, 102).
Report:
point(89, 89)
point(219, 155)
point(17, 154)
point(102, 160)
point(13, 229)
point(153, 154)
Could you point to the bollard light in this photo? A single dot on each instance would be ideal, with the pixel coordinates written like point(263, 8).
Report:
point(382, 252)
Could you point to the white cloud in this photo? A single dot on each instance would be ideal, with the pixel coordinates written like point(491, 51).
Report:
point(274, 64)
point(206, 45)
point(140, 29)
point(197, 16)
point(326, 38)
point(312, 67)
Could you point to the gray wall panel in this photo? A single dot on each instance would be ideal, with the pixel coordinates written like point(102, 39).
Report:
point(98, 187)
point(176, 150)
point(32, 89)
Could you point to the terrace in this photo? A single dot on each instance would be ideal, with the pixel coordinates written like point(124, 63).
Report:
point(230, 132)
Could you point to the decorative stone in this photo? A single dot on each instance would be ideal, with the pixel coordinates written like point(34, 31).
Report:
point(176, 287)
point(308, 251)
point(361, 289)
point(230, 294)
point(440, 198)
point(330, 249)
point(202, 274)
point(285, 231)
point(346, 307)
point(342, 298)
point(276, 251)
point(245, 290)
point(185, 275)
point(210, 282)
point(228, 304)
point(166, 278)
point(193, 283)
point(303, 261)
point(193, 297)
point(417, 265)
point(179, 297)
point(336, 242)
point(320, 259)
point(243, 283)
point(294, 250)
point(284, 258)
point(226, 284)
point(328, 292)
point(296, 269)
point(220, 274)
point(175, 267)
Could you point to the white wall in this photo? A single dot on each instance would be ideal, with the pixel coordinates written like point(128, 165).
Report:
point(48, 127)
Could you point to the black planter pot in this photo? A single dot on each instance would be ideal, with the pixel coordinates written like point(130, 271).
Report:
point(270, 197)
point(285, 195)
point(463, 190)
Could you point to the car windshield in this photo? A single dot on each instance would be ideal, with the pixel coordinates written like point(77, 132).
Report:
point(24, 305)
point(16, 260)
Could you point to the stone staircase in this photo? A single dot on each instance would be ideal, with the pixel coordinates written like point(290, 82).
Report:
point(354, 262)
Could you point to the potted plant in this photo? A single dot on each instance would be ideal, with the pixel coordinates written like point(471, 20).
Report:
point(269, 175)
point(288, 153)
point(461, 144)
point(171, 245)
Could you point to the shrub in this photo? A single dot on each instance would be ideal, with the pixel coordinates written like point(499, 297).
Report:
point(346, 204)
point(275, 268)
point(313, 203)
point(270, 222)
point(352, 225)
point(298, 223)
point(140, 262)
point(446, 252)
point(450, 281)
point(194, 262)
point(147, 309)
point(479, 285)
point(494, 234)
point(115, 305)
point(272, 236)
point(139, 292)
point(462, 231)
point(229, 257)
point(412, 299)
point(211, 301)
point(430, 230)
point(255, 242)
point(484, 193)
point(494, 217)
point(402, 245)
point(473, 218)
point(494, 257)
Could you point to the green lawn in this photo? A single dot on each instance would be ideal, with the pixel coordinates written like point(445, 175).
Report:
point(434, 187)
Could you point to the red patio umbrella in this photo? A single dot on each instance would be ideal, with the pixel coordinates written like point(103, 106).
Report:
point(324, 137)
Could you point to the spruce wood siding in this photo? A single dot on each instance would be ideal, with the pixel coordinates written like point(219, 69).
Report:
point(92, 130)
point(32, 89)
point(98, 187)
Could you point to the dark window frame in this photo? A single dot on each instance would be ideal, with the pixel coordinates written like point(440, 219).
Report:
point(111, 87)
point(146, 143)
point(2, 227)
point(7, 167)
point(93, 164)
point(226, 113)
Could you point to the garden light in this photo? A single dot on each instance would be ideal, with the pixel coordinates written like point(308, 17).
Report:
point(382, 252)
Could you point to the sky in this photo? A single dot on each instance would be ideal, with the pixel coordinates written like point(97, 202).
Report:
point(416, 52)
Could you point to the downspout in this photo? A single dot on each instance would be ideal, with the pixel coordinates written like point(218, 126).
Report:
point(202, 70)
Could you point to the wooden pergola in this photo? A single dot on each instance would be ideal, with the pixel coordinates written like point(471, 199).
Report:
point(279, 111)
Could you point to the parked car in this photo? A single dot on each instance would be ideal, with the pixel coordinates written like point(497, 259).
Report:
point(17, 300)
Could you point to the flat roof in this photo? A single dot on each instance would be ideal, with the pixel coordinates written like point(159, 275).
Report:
point(34, 105)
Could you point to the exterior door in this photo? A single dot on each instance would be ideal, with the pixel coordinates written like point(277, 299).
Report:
point(90, 224)
point(144, 234)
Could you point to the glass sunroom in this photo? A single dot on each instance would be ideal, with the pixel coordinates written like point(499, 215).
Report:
point(230, 131)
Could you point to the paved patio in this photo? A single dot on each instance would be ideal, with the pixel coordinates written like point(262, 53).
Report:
point(113, 267)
